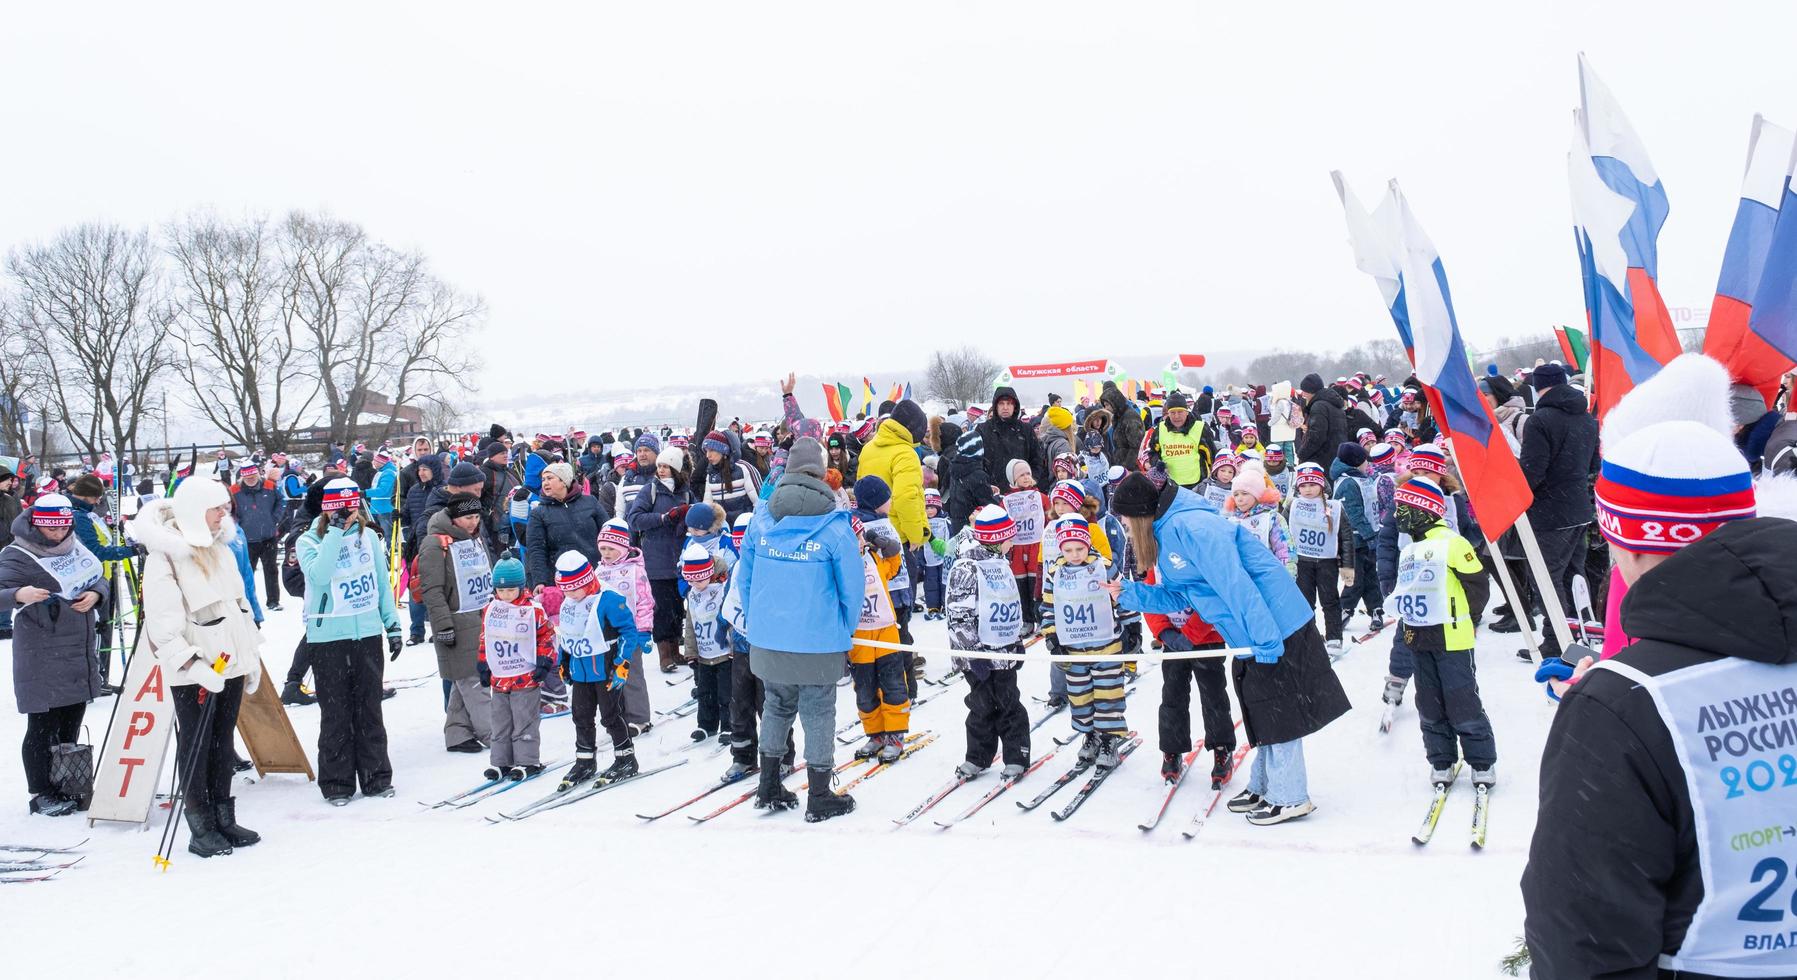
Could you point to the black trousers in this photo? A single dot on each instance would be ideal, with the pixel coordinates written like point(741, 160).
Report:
point(588, 698)
point(670, 609)
point(712, 685)
point(352, 735)
point(1177, 678)
point(1563, 551)
point(302, 662)
point(266, 554)
point(1366, 583)
point(44, 729)
point(995, 714)
point(745, 714)
point(1321, 577)
point(210, 745)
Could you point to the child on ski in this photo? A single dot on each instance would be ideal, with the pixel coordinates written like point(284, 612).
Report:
point(1182, 632)
point(1069, 498)
point(1028, 509)
point(1316, 530)
point(1277, 471)
point(933, 550)
point(706, 576)
point(621, 571)
point(985, 614)
point(1436, 610)
point(882, 692)
point(1216, 487)
point(593, 643)
point(517, 650)
point(1255, 505)
point(1079, 616)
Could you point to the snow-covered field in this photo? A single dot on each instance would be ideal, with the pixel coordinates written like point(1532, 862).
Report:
point(390, 888)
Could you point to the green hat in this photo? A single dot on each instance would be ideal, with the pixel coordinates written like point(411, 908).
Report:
point(508, 574)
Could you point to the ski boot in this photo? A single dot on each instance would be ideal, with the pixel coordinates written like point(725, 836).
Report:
point(639, 729)
point(892, 745)
point(1222, 766)
point(1109, 747)
point(1333, 647)
point(699, 735)
point(205, 841)
point(492, 774)
point(518, 774)
point(870, 748)
point(823, 802)
point(1013, 771)
point(1088, 750)
point(292, 693)
point(1056, 702)
point(623, 766)
point(584, 769)
point(1268, 814)
point(1243, 802)
point(771, 795)
point(1377, 624)
point(1439, 778)
point(52, 806)
point(224, 817)
point(969, 769)
point(1394, 689)
point(1485, 777)
point(737, 771)
point(1170, 766)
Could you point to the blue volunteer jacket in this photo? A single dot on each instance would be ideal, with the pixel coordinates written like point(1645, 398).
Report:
point(801, 582)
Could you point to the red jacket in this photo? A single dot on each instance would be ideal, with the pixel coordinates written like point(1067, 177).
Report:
point(545, 646)
point(1199, 632)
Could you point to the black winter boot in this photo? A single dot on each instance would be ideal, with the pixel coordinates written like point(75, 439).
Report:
point(1222, 766)
point(772, 795)
point(823, 803)
point(205, 841)
point(292, 694)
point(225, 814)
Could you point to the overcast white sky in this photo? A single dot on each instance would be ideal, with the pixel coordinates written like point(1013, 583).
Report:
point(700, 191)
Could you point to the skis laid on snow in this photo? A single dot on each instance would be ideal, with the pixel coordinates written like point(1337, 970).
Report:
point(912, 744)
point(1054, 787)
point(953, 784)
point(683, 804)
point(1203, 816)
point(1098, 778)
point(39, 866)
point(464, 794)
point(680, 710)
point(41, 849)
point(994, 792)
point(746, 797)
point(1436, 803)
point(1050, 713)
point(1185, 766)
point(1481, 814)
point(561, 798)
point(506, 786)
point(27, 881)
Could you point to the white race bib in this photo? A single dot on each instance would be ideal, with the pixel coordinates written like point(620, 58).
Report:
point(354, 586)
point(519, 510)
point(511, 639)
point(580, 634)
point(473, 576)
point(702, 607)
point(939, 530)
point(1421, 597)
point(1084, 616)
point(1000, 609)
point(883, 528)
point(74, 572)
point(876, 602)
point(1316, 526)
point(1216, 493)
point(1725, 717)
point(1025, 508)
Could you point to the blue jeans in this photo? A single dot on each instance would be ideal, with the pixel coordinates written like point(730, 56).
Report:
point(814, 706)
point(1278, 774)
point(416, 610)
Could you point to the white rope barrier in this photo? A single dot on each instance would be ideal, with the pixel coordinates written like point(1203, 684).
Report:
point(1142, 657)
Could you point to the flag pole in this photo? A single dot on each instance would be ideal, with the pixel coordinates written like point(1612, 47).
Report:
point(1550, 596)
point(1517, 607)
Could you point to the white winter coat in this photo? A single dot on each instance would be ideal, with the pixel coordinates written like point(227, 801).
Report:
point(193, 609)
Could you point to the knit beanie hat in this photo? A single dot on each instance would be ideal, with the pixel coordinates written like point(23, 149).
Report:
point(872, 492)
point(970, 444)
point(1312, 473)
point(717, 442)
point(1066, 463)
point(695, 564)
point(339, 494)
point(1059, 417)
point(1011, 470)
point(1422, 493)
point(856, 526)
point(932, 497)
point(908, 414)
point(573, 571)
point(89, 485)
point(1228, 459)
point(992, 525)
point(562, 472)
point(1175, 400)
point(1397, 438)
point(648, 441)
point(1670, 484)
point(1069, 493)
point(741, 527)
point(1351, 453)
point(1251, 480)
point(464, 475)
point(806, 456)
point(1136, 496)
point(673, 458)
point(1547, 375)
point(55, 510)
point(1382, 456)
point(1275, 453)
point(678, 440)
point(1091, 443)
point(762, 440)
point(1428, 458)
point(1072, 528)
point(700, 517)
point(615, 533)
point(495, 449)
point(1312, 384)
point(508, 573)
point(463, 505)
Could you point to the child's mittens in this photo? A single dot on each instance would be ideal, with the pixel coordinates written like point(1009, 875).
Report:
point(620, 673)
point(541, 672)
point(486, 674)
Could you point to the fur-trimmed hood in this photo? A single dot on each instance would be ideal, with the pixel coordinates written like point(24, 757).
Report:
point(156, 528)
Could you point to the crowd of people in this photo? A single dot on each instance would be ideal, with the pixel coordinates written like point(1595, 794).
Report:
point(1249, 536)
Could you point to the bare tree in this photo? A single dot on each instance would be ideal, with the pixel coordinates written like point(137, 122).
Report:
point(373, 318)
point(22, 372)
point(240, 359)
point(93, 298)
point(962, 376)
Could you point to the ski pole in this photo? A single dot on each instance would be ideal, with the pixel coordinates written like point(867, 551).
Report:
point(185, 773)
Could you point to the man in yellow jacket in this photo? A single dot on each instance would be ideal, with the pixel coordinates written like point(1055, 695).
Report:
point(891, 455)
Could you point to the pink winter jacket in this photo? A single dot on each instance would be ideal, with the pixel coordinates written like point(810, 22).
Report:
point(626, 577)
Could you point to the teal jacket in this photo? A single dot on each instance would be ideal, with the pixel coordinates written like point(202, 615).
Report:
point(318, 562)
point(386, 484)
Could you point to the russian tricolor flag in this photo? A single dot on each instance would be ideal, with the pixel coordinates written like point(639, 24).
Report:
point(1753, 322)
point(1391, 246)
point(1618, 206)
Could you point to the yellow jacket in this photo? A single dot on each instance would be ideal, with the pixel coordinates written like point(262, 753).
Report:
point(887, 568)
point(890, 457)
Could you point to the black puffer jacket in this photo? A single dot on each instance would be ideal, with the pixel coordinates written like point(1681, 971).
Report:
point(559, 526)
point(969, 489)
point(1325, 428)
point(1616, 870)
point(1559, 458)
point(1009, 439)
point(1126, 428)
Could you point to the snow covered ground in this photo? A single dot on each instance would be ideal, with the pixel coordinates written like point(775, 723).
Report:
point(390, 888)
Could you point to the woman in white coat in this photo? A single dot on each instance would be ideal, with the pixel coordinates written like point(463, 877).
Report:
point(202, 630)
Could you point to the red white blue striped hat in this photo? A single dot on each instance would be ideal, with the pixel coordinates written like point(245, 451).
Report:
point(1422, 493)
point(1669, 484)
point(573, 571)
point(1073, 528)
point(1312, 473)
point(695, 564)
point(340, 494)
point(1069, 493)
point(992, 525)
point(1428, 458)
point(615, 533)
point(52, 510)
